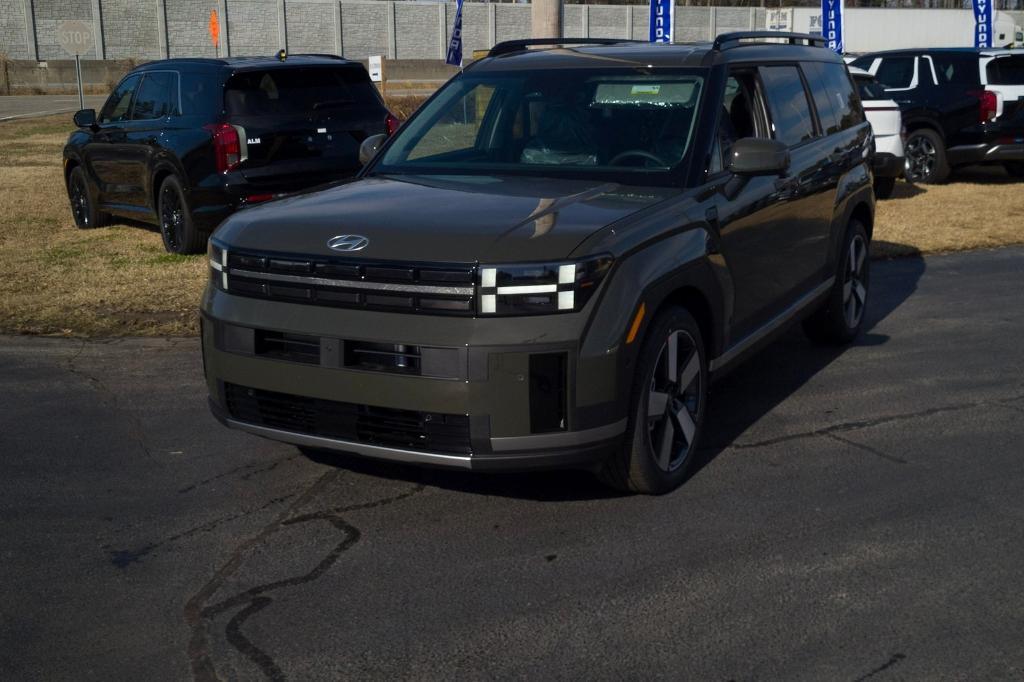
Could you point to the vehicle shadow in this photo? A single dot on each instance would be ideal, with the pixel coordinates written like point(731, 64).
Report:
point(904, 190)
point(737, 402)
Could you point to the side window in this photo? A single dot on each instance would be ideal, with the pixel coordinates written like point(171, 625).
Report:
point(822, 92)
point(119, 103)
point(201, 95)
point(896, 72)
point(792, 122)
point(956, 68)
point(844, 99)
point(157, 95)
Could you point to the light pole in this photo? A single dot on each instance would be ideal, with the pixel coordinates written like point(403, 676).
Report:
point(546, 17)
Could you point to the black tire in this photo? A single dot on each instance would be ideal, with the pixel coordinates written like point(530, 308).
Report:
point(884, 187)
point(926, 157)
point(841, 317)
point(1015, 168)
point(678, 407)
point(176, 225)
point(83, 202)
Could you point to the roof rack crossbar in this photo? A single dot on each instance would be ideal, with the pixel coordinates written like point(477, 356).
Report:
point(727, 41)
point(520, 45)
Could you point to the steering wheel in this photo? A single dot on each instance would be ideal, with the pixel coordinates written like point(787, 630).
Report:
point(636, 152)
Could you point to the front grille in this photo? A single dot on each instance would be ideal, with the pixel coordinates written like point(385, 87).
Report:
point(388, 427)
point(405, 287)
point(399, 358)
point(286, 346)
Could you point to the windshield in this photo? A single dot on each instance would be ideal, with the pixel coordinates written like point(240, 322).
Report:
point(552, 122)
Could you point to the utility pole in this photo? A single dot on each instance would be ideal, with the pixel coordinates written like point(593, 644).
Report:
point(546, 17)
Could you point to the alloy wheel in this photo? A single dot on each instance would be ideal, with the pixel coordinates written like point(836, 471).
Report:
point(171, 217)
point(674, 401)
point(921, 158)
point(855, 294)
point(79, 201)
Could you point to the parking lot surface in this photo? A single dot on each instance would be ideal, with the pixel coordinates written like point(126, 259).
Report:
point(24, 106)
point(859, 514)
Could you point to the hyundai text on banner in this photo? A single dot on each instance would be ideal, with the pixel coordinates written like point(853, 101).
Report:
point(832, 24)
point(982, 23)
point(661, 21)
point(454, 56)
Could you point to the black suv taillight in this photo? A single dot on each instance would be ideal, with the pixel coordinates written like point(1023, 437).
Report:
point(391, 124)
point(988, 105)
point(227, 145)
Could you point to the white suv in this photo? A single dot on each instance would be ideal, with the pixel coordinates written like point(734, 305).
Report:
point(887, 125)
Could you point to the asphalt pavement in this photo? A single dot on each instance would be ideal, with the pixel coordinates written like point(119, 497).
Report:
point(859, 515)
point(25, 106)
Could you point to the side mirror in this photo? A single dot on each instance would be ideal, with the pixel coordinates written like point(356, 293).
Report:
point(368, 149)
point(85, 118)
point(756, 156)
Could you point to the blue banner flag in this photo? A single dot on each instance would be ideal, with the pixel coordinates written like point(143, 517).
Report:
point(454, 56)
point(661, 21)
point(982, 23)
point(832, 24)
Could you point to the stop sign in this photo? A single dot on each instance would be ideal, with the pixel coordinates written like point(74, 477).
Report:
point(75, 37)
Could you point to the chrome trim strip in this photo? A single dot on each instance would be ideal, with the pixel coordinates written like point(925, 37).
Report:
point(356, 284)
point(564, 439)
point(378, 451)
point(770, 326)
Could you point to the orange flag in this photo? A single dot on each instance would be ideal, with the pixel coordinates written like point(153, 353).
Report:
point(214, 28)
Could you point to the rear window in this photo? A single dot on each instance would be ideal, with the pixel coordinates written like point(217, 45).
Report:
point(1006, 70)
point(869, 88)
point(297, 91)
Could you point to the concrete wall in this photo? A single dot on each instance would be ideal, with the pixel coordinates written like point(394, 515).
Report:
point(151, 29)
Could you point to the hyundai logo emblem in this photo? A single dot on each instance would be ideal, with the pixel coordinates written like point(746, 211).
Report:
point(348, 242)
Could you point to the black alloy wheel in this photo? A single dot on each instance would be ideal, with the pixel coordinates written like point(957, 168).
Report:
point(674, 401)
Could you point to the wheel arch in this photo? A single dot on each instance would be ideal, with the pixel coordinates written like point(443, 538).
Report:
point(863, 213)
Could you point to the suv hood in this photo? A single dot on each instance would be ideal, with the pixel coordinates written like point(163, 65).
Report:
point(441, 218)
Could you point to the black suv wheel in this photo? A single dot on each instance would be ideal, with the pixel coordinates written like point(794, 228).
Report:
point(176, 226)
point(926, 157)
point(840, 319)
point(668, 406)
point(83, 204)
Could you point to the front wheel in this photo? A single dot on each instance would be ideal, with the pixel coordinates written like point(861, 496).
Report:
point(176, 226)
point(83, 203)
point(841, 317)
point(667, 408)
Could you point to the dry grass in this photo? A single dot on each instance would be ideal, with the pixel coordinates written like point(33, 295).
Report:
point(981, 207)
point(117, 280)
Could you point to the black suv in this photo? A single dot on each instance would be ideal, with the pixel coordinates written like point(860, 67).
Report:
point(960, 106)
point(549, 262)
point(184, 142)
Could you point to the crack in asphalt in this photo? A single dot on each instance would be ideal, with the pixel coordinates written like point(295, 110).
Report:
point(844, 427)
point(893, 660)
point(199, 615)
point(255, 469)
point(867, 448)
point(122, 558)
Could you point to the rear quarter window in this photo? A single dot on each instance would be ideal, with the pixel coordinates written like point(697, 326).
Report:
point(956, 69)
point(293, 91)
point(1005, 70)
point(202, 95)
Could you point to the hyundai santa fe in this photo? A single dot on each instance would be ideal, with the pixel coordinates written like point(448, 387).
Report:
point(550, 261)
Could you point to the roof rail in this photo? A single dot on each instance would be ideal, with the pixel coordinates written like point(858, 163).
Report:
point(322, 55)
point(519, 45)
point(727, 41)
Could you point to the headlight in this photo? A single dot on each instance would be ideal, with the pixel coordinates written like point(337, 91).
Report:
point(540, 288)
point(218, 265)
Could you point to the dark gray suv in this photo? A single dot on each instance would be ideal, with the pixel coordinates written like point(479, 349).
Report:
point(550, 261)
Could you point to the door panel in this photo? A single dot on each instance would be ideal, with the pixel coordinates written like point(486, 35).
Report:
point(105, 150)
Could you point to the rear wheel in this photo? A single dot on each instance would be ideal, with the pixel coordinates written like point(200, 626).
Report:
point(83, 203)
point(884, 187)
point(926, 157)
point(176, 226)
point(1015, 168)
point(840, 319)
point(667, 408)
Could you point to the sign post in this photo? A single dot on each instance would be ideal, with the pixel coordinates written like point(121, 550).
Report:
point(982, 22)
point(832, 24)
point(75, 38)
point(661, 21)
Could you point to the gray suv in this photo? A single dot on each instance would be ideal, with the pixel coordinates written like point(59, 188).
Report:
point(548, 264)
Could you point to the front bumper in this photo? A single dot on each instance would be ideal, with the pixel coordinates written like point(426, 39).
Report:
point(489, 385)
